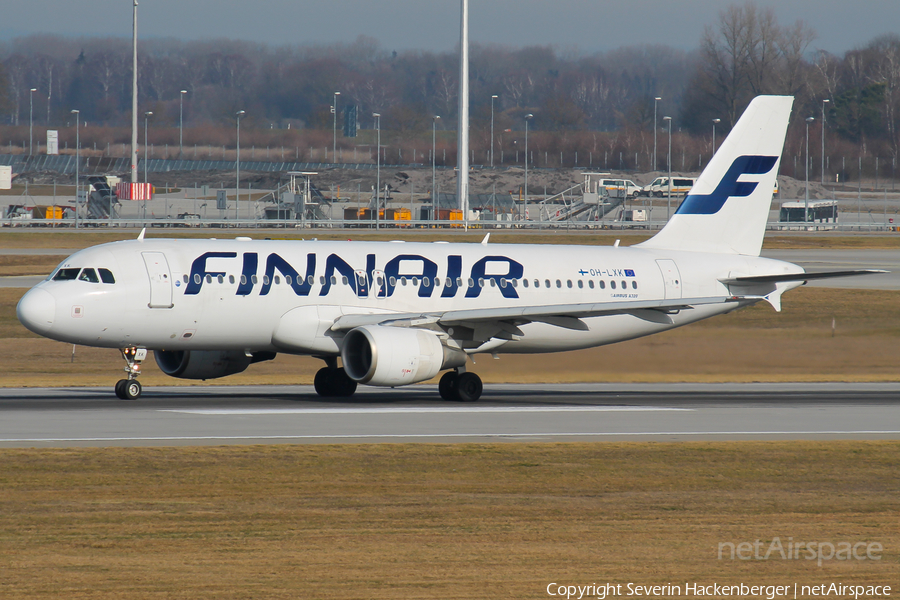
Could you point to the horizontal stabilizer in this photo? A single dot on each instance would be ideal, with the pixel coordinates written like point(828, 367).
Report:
point(798, 276)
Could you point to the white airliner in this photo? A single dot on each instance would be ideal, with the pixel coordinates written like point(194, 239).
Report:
point(398, 313)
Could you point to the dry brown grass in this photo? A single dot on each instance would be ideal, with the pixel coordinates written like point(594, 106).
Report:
point(753, 344)
point(434, 521)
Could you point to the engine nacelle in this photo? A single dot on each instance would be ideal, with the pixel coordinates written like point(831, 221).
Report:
point(394, 356)
point(204, 364)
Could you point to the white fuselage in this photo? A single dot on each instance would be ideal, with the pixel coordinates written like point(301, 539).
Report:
point(283, 296)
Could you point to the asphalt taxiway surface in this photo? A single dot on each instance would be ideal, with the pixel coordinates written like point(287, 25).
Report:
point(216, 415)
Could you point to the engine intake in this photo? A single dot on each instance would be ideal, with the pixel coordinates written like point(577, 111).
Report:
point(205, 364)
point(394, 356)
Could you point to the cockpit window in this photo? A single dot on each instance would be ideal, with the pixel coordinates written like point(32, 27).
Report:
point(106, 276)
point(89, 275)
point(66, 274)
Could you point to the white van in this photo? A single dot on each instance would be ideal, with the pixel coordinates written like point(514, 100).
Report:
point(660, 186)
point(613, 185)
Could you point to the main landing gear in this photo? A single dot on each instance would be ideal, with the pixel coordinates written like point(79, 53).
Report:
point(130, 389)
point(461, 386)
point(332, 382)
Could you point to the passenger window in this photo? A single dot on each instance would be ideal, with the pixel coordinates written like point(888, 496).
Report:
point(602, 285)
point(471, 282)
point(288, 279)
point(321, 280)
point(546, 283)
point(481, 282)
point(634, 285)
point(524, 282)
point(186, 278)
point(612, 285)
point(558, 283)
point(343, 280)
point(66, 274)
point(426, 281)
point(591, 283)
point(403, 281)
point(89, 275)
point(106, 276)
point(415, 281)
point(333, 280)
point(459, 282)
point(493, 282)
point(580, 284)
point(221, 279)
point(209, 279)
point(624, 285)
point(254, 279)
point(197, 279)
point(569, 283)
point(277, 280)
point(265, 280)
point(243, 280)
point(392, 280)
point(231, 279)
point(310, 280)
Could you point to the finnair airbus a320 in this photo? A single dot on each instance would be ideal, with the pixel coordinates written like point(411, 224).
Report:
point(398, 313)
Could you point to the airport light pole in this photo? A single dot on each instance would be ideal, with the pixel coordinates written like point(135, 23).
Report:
point(525, 203)
point(669, 163)
point(494, 97)
point(715, 122)
point(77, 156)
point(434, 204)
point(806, 201)
point(334, 129)
point(31, 121)
point(237, 162)
point(824, 102)
point(377, 166)
point(181, 124)
point(147, 116)
point(655, 101)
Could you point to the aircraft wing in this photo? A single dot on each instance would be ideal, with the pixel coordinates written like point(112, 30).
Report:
point(567, 316)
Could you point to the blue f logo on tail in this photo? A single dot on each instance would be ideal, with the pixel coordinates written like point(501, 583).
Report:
point(729, 186)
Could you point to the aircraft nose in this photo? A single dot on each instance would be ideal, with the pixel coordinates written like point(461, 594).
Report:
point(36, 310)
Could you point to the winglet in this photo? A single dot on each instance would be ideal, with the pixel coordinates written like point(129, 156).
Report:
point(485, 240)
point(141, 234)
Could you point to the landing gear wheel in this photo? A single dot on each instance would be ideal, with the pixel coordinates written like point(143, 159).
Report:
point(446, 384)
point(330, 383)
point(468, 387)
point(344, 386)
point(128, 389)
point(322, 382)
point(132, 389)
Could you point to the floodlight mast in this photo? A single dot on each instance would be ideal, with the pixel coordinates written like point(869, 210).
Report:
point(462, 153)
point(134, 98)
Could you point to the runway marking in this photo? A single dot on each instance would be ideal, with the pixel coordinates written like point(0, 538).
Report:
point(351, 436)
point(418, 409)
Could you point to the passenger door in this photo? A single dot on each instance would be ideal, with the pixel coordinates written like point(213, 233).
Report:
point(160, 279)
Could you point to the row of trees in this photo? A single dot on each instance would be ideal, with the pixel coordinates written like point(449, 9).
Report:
point(745, 53)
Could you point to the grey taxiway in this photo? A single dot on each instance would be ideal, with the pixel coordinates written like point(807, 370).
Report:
point(215, 415)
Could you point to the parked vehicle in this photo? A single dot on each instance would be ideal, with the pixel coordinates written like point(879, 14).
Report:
point(660, 186)
point(612, 185)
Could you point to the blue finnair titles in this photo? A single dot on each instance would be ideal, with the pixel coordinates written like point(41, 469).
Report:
point(400, 313)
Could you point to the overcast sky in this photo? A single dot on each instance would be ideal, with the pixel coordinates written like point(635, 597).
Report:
point(584, 25)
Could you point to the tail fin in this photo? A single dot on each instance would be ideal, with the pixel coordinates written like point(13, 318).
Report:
point(727, 209)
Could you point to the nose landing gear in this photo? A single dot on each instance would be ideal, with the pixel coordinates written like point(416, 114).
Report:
point(130, 389)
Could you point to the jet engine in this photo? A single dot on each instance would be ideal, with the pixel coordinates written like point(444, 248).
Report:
point(205, 364)
point(394, 356)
